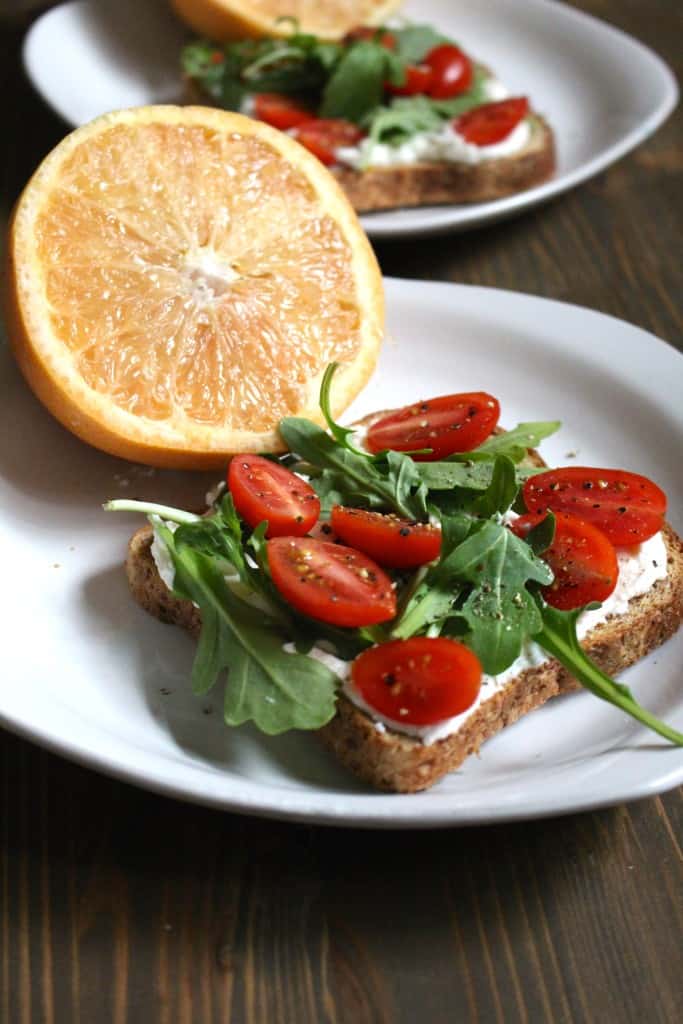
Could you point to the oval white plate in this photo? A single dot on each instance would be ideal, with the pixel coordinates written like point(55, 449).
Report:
point(90, 675)
point(602, 91)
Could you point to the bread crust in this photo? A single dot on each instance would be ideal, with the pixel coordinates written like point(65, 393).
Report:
point(394, 762)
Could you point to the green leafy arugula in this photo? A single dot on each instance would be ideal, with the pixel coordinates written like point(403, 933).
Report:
point(357, 83)
point(345, 477)
point(516, 443)
point(414, 41)
point(558, 637)
point(274, 689)
point(499, 610)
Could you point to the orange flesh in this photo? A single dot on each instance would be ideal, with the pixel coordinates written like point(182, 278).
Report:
point(194, 276)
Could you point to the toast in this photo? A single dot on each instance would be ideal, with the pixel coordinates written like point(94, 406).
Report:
point(395, 762)
point(432, 184)
point(444, 182)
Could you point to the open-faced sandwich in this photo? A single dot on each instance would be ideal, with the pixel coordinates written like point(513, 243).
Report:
point(402, 116)
point(409, 586)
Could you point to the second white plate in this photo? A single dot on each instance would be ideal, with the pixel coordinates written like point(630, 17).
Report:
point(602, 91)
point(87, 673)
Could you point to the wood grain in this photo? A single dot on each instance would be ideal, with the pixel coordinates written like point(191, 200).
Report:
point(120, 906)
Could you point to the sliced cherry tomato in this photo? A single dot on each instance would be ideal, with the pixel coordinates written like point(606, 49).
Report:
point(582, 558)
point(418, 681)
point(217, 57)
point(492, 122)
point(390, 540)
point(280, 111)
point(367, 32)
point(323, 136)
point(627, 507)
point(331, 582)
point(262, 489)
point(452, 423)
point(451, 71)
point(418, 79)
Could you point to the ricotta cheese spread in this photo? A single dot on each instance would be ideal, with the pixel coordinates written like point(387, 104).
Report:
point(442, 146)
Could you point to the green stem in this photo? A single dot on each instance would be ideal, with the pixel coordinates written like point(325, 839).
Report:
point(149, 508)
point(600, 684)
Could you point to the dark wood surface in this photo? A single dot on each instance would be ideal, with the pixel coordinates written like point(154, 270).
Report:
point(120, 906)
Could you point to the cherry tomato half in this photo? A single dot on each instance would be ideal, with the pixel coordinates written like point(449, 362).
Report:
point(452, 423)
point(492, 122)
point(262, 489)
point(323, 136)
point(280, 111)
point(418, 681)
point(451, 71)
point(331, 582)
point(390, 540)
point(418, 79)
point(582, 558)
point(367, 32)
point(627, 507)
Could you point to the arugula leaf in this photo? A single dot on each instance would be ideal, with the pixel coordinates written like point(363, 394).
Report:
point(218, 535)
point(394, 484)
point(407, 115)
point(413, 42)
point(434, 592)
point(274, 689)
point(339, 433)
point(558, 637)
point(541, 536)
point(500, 611)
point(357, 82)
point(516, 442)
point(501, 492)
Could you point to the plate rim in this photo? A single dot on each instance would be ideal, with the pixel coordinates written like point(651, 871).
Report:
point(368, 809)
point(468, 217)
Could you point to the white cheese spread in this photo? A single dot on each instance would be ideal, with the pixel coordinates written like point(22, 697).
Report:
point(442, 146)
point(162, 556)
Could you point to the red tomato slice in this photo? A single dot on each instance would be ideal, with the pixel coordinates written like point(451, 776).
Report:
point(627, 507)
point(323, 136)
point(418, 681)
point(385, 39)
point(582, 558)
point(451, 71)
point(492, 122)
point(331, 582)
point(452, 423)
point(390, 540)
point(280, 111)
point(262, 489)
point(418, 79)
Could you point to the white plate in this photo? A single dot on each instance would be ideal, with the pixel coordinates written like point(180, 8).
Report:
point(602, 91)
point(86, 672)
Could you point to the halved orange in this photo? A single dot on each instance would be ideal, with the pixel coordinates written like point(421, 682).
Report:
point(180, 277)
point(235, 19)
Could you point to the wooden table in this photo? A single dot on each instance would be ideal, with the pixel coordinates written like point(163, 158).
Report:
point(121, 906)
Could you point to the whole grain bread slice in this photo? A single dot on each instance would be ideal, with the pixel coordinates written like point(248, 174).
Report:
point(452, 182)
point(394, 762)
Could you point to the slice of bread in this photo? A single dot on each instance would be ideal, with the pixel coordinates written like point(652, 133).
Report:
point(398, 763)
point(432, 184)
